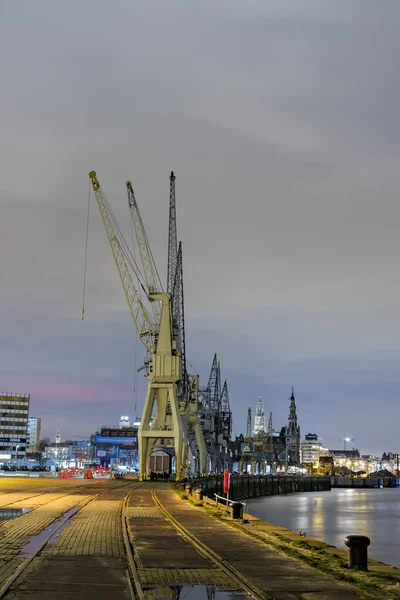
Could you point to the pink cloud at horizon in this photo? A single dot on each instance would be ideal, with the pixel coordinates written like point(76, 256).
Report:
point(66, 391)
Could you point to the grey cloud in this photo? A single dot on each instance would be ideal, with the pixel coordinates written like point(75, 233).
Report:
point(280, 120)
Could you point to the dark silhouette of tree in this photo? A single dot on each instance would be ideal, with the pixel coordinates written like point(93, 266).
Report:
point(43, 443)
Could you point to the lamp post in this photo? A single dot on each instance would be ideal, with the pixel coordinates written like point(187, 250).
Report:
point(16, 455)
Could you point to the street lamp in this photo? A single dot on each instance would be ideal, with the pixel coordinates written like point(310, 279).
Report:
point(346, 440)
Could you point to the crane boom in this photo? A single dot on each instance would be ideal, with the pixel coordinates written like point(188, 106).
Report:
point(178, 319)
point(149, 269)
point(141, 319)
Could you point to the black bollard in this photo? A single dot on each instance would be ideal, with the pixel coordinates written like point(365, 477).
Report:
point(199, 494)
point(237, 510)
point(357, 553)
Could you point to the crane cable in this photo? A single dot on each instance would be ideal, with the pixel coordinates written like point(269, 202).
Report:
point(86, 253)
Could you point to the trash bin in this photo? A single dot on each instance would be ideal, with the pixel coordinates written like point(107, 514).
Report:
point(357, 553)
point(199, 494)
point(237, 510)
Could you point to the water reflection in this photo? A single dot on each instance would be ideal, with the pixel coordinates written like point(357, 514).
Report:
point(10, 513)
point(330, 516)
point(192, 592)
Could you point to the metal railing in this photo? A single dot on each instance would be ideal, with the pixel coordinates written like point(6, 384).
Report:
point(242, 487)
point(228, 501)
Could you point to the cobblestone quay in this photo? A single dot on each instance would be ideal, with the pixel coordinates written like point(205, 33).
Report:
point(254, 486)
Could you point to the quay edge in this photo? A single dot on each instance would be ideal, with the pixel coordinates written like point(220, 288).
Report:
point(379, 581)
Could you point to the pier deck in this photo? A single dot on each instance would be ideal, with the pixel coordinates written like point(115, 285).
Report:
point(87, 558)
point(165, 559)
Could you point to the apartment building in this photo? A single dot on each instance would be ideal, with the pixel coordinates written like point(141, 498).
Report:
point(33, 434)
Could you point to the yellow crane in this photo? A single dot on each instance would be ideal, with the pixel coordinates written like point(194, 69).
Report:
point(188, 385)
point(164, 365)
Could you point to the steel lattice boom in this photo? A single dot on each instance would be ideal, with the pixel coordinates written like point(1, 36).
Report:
point(172, 237)
point(178, 318)
point(225, 413)
point(141, 319)
point(149, 269)
point(214, 384)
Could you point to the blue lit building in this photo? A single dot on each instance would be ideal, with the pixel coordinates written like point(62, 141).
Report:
point(114, 446)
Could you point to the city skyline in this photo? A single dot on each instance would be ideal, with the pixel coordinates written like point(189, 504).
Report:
point(279, 120)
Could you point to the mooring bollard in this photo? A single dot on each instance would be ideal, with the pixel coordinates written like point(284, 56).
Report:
point(237, 510)
point(188, 490)
point(199, 494)
point(357, 553)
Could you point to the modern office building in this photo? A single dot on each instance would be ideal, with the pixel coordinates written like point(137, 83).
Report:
point(14, 411)
point(312, 449)
point(33, 434)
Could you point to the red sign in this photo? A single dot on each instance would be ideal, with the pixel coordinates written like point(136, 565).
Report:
point(227, 477)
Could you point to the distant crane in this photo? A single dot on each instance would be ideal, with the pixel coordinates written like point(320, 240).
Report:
point(188, 386)
point(247, 454)
point(346, 440)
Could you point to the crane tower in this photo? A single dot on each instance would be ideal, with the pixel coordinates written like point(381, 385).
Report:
point(247, 454)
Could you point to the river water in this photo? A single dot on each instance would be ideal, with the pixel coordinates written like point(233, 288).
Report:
point(330, 516)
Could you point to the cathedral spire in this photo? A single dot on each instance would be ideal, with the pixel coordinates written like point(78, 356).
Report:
point(293, 433)
point(292, 411)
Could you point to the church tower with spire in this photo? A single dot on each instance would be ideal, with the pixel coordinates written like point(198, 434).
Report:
point(293, 434)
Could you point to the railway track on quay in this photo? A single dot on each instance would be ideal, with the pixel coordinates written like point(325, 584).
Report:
point(74, 538)
point(218, 562)
point(206, 568)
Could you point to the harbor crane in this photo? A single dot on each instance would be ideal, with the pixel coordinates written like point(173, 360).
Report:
point(346, 441)
point(187, 386)
point(247, 457)
point(164, 367)
point(164, 359)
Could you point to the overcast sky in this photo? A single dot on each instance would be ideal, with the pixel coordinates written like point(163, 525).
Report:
point(280, 120)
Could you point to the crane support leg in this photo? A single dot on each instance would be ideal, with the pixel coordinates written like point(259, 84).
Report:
point(201, 446)
point(166, 426)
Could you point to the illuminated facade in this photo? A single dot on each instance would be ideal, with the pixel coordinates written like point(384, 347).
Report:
point(259, 419)
point(124, 422)
point(312, 449)
point(14, 411)
point(115, 446)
